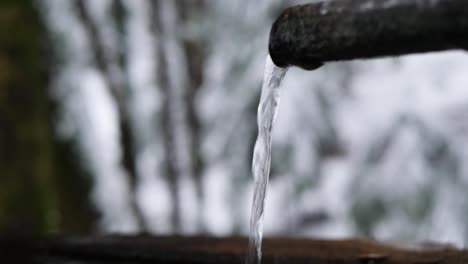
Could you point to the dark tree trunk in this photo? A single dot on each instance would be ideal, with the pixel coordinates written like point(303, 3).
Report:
point(42, 188)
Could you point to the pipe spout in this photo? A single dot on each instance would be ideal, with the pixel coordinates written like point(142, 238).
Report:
point(309, 35)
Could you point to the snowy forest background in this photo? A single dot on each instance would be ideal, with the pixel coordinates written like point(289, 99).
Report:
point(137, 116)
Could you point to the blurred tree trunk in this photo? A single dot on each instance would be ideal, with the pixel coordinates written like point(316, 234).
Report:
point(195, 47)
point(172, 47)
point(42, 188)
point(119, 88)
point(163, 82)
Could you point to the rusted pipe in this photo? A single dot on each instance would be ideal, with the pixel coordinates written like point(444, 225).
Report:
point(310, 35)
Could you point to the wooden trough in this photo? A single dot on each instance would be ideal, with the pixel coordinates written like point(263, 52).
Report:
point(172, 250)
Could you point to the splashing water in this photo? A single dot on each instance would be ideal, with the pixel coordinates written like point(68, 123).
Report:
point(262, 155)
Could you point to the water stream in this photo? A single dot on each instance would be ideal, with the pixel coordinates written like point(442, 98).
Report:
point(262, 155)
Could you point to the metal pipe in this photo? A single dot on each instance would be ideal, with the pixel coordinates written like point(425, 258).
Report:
point(310, 35)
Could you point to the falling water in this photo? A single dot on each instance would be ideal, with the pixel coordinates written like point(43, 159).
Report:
point(262, 154)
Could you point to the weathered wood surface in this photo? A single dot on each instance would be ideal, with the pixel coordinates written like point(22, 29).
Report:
point(120, 249)
point(312, 34)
